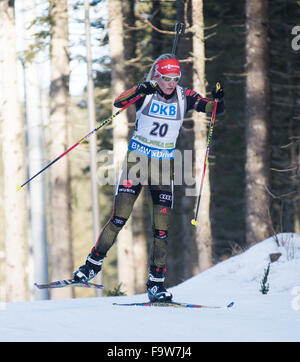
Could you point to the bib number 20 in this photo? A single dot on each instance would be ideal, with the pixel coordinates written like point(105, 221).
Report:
point(159, 129)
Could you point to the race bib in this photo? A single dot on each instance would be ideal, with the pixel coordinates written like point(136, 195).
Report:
point(163, 110)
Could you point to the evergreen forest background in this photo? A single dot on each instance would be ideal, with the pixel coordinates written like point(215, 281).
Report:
point(146, 31)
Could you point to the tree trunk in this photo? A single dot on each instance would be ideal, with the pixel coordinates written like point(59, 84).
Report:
point(297, 199)
point(35, 147)
point(157, 37)
point(138, 215)
point(203, 230)
point(13, 162)
point(257, 121)
point(60, 197)
point(92, 140)
point(183, 261)
point(126, 275)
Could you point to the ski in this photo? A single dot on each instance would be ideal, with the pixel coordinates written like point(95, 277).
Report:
point(68, 283)
point(173, 304)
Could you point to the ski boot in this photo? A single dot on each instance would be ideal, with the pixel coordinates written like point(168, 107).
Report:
point(155, 285)
point(90, 269)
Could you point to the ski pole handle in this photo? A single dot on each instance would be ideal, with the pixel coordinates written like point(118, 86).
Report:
point(218, 86)
point(179, 29)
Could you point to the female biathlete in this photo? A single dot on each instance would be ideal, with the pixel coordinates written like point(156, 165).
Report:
point(159, 116)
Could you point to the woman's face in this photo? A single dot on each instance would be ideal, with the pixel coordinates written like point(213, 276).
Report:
point(167, 87)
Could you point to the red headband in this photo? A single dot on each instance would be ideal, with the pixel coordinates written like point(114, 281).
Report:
point(167, 66)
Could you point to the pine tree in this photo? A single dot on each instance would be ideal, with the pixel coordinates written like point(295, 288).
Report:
point(139, 218)
point(60, 191)
point(120, 143)
point(35, 153)
point(13, 162)
point(203, 232)
point(264, 285)
point(257, 122)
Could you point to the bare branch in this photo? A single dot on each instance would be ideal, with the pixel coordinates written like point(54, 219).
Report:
point(291, 143)
point(154, 27)
point(285, 170)
point(279, 196)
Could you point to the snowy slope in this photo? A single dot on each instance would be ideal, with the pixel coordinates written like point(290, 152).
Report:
point(255, 317)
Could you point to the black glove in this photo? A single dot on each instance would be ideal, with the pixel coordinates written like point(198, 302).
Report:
point(146, 88)
point(218, 92)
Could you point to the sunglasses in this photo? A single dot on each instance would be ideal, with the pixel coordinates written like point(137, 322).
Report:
point(168, 78)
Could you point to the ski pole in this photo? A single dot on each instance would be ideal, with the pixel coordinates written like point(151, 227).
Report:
point(103, 123)
point(179, 29)
point(211, 128)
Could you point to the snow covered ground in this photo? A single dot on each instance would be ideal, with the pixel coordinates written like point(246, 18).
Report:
point(254, 317)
